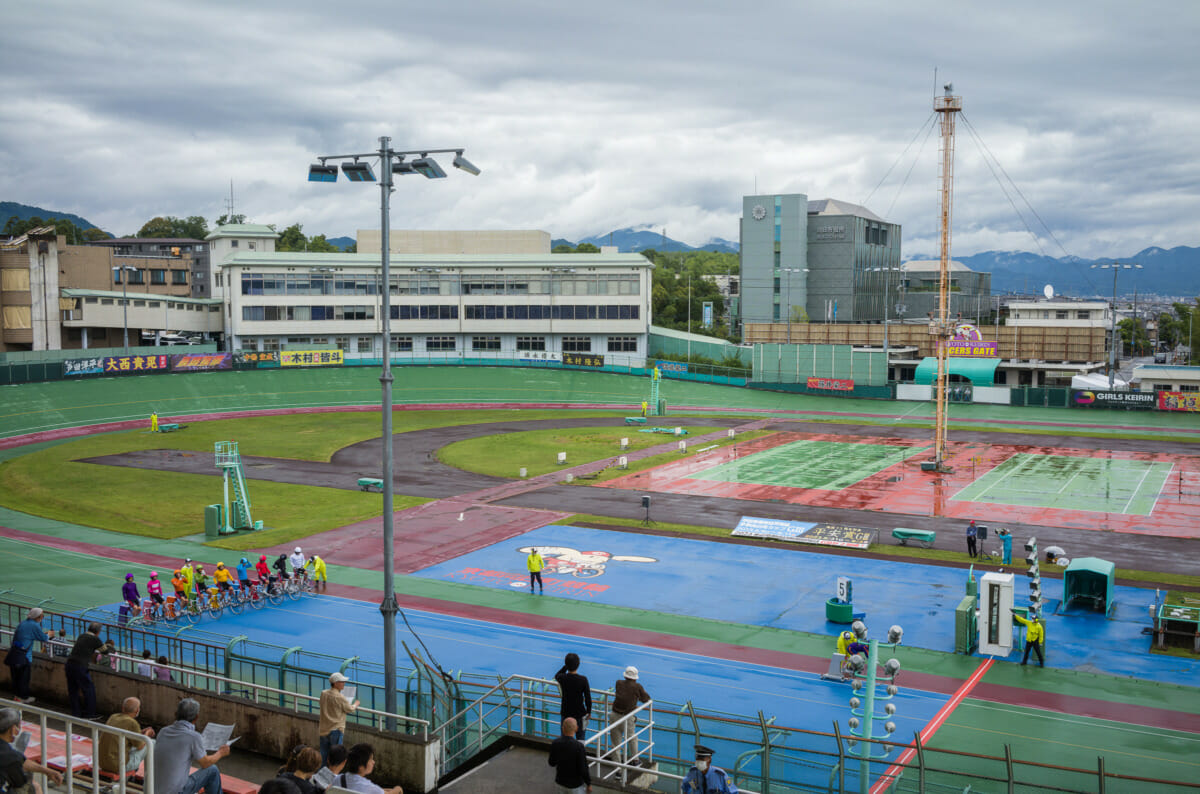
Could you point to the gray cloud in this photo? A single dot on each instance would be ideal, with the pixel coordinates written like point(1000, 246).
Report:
point(587, 117)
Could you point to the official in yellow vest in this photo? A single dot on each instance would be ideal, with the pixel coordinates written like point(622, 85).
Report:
point(1035, 635)
point(535, 564)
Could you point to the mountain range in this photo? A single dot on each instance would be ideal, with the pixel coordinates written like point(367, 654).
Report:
point(1173, 272)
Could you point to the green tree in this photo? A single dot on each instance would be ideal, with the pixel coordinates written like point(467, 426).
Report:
point(191, 228)
point(226, 220)
point(291, 239)
point(799, 314)
point(1133, 336)
point(320, 245)
point(15, 227)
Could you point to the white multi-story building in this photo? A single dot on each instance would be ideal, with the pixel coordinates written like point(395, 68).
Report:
point(442, 305)
point(1060, 314)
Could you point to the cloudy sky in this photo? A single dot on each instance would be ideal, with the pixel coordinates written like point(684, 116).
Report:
point(592, 116)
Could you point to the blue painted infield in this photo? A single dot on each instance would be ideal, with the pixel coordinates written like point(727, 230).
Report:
point(787, 589)
point(343, 628)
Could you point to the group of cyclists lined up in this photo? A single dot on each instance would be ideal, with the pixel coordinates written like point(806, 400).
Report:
point(196, 591)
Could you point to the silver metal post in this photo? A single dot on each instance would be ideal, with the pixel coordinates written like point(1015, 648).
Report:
point(388, 607)
point(1112, 348)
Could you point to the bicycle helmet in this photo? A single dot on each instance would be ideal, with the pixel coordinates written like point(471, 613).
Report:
point(178, 572)
point(154, 574)
point(298, 550)
point(263, 558)
point(128, 576)
point(245, 561)
point(220, 565)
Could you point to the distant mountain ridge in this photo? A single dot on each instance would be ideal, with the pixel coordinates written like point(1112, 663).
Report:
point(631, 240)
point(1168, 272)
point(24, 212)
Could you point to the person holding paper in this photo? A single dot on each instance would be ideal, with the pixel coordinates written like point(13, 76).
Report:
point(178, 747)
point(16, 771)
point(335, 705)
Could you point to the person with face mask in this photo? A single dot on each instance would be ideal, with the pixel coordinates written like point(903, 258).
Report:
point(703, 777)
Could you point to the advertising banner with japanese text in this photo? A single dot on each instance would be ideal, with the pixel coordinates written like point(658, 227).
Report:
point(200, 362)
point(253, 358)
point(671, 366)
point(136, 365)
point(1115, 399)
point(83, 366)
point(831, 384)
point(1178, 401)
point(583, 360)
point(310, 358)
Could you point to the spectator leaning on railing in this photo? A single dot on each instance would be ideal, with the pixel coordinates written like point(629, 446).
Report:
point(20, 655)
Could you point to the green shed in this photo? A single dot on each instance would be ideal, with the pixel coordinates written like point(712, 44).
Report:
point(1090, 579)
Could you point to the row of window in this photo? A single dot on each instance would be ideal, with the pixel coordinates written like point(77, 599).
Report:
point(439, 284)
point(478, 344)
point(443, 312)
point(157, 276)
point(150, 304)
point(876, 234)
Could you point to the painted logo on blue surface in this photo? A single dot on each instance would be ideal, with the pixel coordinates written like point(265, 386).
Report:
point(566, 561)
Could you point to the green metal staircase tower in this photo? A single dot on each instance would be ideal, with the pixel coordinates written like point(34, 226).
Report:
point(237, 498)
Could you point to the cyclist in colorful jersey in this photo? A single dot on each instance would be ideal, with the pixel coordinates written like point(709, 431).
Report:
point(223, 577)
point(131, 596)
point(200, 580)
point(281, 567)
point(243, 574)
point(154, 588)
point(181, 586)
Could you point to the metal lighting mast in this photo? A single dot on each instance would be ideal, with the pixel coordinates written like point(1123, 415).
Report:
point(947, 105)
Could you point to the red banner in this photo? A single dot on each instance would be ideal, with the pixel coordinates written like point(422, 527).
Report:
point(831, 384)
point(1178, 401)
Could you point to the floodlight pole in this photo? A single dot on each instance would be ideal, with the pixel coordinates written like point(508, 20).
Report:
point(388, 607)
point(429, 169)
point(1112, 342)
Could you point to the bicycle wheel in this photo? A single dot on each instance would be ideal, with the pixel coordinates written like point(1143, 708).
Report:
point(293, 590)
point(235, 603)
point(275, 597)
point(191, 612)
point(170, 613)
point(258, 599)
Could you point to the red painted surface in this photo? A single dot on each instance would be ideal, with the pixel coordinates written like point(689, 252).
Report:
point(904, 489)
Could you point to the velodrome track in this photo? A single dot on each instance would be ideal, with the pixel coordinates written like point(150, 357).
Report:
point(69, 410)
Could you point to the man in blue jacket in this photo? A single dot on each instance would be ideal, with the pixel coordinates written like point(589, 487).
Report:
point(20, 658)
point(704, 778)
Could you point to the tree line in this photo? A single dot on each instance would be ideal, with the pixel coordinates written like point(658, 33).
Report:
point(193, 227)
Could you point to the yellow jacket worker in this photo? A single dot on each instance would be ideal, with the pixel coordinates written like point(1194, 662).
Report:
point(535, 564)
point(1035, 634)
point(318, 572)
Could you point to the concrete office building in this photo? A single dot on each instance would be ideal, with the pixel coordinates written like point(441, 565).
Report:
point(833, 259)
point(535, 306)
point(196, 251)
point(970, 293)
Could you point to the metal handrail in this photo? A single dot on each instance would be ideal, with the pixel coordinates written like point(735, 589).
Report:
point(74, 727)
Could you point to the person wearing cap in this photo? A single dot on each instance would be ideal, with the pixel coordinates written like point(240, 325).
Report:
point(20, 654)
point(536, 565)
point(297, 561)
point(131, 596)
point(334, 708)
point(182, 594)
point(569, 759)
point(703, 777)
point(16, 771)
point(1035, 634)
point(81, 692)
point(576, 693)
point(627, 694)
point(972, 534)
point(319, 574)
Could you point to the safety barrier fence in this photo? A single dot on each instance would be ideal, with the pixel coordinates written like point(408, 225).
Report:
point(78, 768)
point(467, 712)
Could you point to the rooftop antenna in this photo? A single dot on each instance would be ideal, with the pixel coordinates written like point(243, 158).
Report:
point(229, 203)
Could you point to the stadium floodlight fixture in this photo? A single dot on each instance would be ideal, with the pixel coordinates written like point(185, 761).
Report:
point(464, 164)
point(427, 167)
point(1031, 544)
point(319, 172)
point(402, 167)
point(358, 172)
